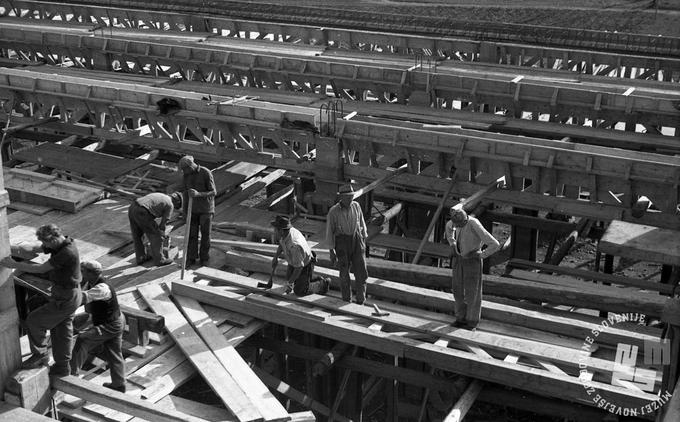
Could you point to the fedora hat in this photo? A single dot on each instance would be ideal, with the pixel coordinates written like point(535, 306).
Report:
point(346, 190)
point(281, 222)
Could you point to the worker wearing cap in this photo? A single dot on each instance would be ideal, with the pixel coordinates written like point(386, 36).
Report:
point(300, 258)
point(346, 235)
point(199, 184)
point(107, 325)
point(142, 214)
point(470, 243)
point(63, 269)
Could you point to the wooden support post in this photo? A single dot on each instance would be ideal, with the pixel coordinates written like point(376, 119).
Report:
point(10, 353)
point(524, 240)
point(32, 386)
point(187, 230)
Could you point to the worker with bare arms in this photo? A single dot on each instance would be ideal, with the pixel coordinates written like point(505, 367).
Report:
point(470, 243)
point(301, 260)
point(63, 269)
point(346, 235)
point(102, 325)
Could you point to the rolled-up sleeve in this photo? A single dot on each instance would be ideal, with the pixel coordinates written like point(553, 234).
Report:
point(99, 292)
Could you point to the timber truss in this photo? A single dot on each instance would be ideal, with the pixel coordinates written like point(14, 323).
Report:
point(517, 92)
point(644, 57)
point(216, 126)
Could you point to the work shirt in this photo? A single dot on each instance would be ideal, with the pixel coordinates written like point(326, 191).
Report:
point(345, 221)
point(296, 249)
point(471, 237)
point(158, 204)
point(101, 302)
point(65, 262)
point(202, 180)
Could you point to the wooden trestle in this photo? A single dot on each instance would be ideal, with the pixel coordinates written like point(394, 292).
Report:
point(217, 125)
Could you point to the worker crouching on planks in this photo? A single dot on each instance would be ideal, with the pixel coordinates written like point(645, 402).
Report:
point(142, 214)
point(300, 257)
point(102, 325)
point(470, 244)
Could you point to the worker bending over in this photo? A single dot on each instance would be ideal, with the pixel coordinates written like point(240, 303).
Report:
point(142, 214)
point(470, 244)
point(103, 325)
point(300, 258)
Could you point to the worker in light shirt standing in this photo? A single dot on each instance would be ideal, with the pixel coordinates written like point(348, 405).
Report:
point(107, 325)
point(470, 243)
point(346, 235)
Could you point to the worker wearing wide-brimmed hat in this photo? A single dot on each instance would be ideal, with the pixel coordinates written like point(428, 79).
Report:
point(346, 235)
point(467, 238)
point(300, 258)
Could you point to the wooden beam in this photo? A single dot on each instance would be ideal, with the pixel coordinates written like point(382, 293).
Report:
point(200, 355)
point(457, 361)
point(266, 404)
point(434, 220)
point(376, 183)
point(119, 401)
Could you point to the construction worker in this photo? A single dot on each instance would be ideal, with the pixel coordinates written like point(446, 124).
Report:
point(142, 214)
point(63, 269)
point(103, 325)
point(199, 184)
point(300, 257)
point(470, 244)
point(346, 235)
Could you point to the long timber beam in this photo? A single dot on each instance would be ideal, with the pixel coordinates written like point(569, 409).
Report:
point(222, 128)
point(465, 363)
point(516, 91)
point(656, 65)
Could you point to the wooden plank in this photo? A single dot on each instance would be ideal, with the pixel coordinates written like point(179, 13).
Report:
point(200, 355)
point(11, 413)
point(265, 403)
point(508, 344)
point(523, 315)
point(190, 407)
point(641, 242)
point(593, 276)
point(29, 208)
point(48, 191)
point(119, 401)
point(94, 165)
point(465, 363)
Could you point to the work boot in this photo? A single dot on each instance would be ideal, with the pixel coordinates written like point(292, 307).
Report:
point(264, 285)
point(59, 371)
point(325, 285)
point(166, 261)
point(143, 259)
point(111, 386)
point(460, 323)
point(35, 361)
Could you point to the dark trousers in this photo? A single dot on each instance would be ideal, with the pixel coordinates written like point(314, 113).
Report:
point(56, 316)
point(467, 288)
point(203, 223)
point(110, 336)
point(143, 223)
point(351, 251)
point(304, 284)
